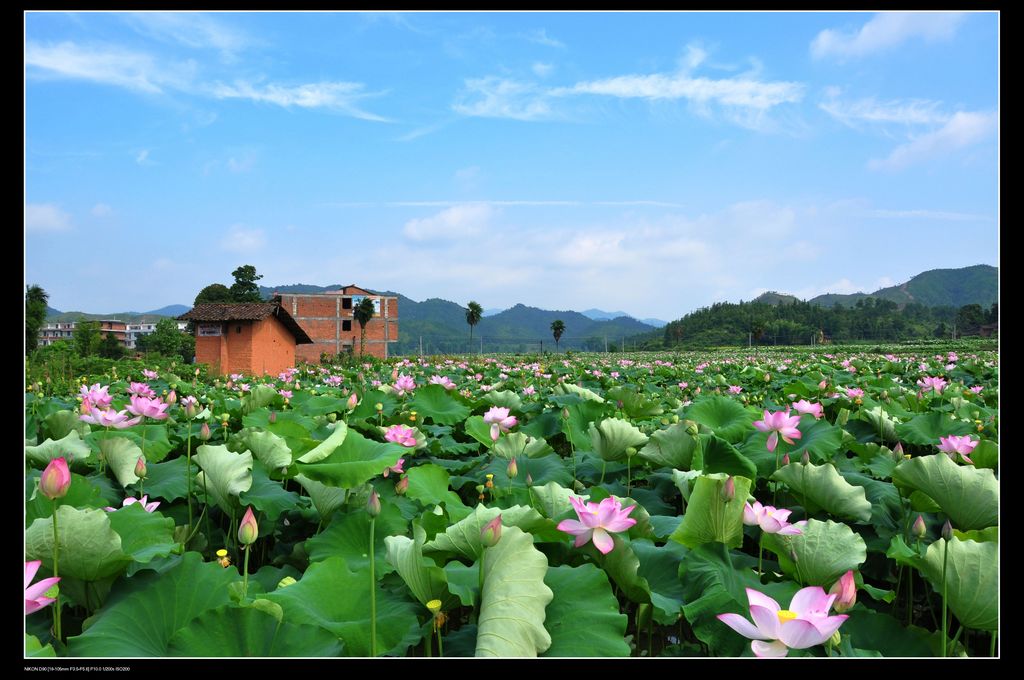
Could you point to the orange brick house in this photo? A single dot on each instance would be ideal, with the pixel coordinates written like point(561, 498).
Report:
point(246, 337)
point(327, 318)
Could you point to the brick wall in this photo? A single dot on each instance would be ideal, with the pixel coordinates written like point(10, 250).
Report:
point(273, 347)
point(323, 317)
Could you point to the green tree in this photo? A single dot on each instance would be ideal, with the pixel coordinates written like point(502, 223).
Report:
point(362, 313)
point(557, 329)
point(245, 289)
point(215, 292)
point(474, 312)
point(86, 337)
point(969, 319)
point(111, 347)
point(166, 339)
point(35, 314)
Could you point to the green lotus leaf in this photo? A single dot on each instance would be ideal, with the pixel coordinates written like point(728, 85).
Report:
point(569, 388)
point(89, 547)
point(436, 403)
point(726, 417)
point(348, 536)
point(425, 579)
point(267, 495)
point(224, 475)
point(824, 552)
point(583, 593)
point(81, 494)
point(268, 448)
point(874, 630)
point(623, 567)
point(514, 598)
point(233, 631)
point(463, 537)
point(157, 445)
point(821, 486)
point(518, 445)
point(479, 430)
point(881, 421)
point(672, 448)
point(355, 462)
point(552, 500)
point(504, 398)
point(326, 499)
point(428, 484)
point(166, 480)
point(327, 446)
point(711, 518)
point(144, 535)
point(972, 580)
point(721, 456)
point(61, 423)
point(926, 429)
point(819, 438)
point(121, 455)
point(34, 648)
point(611, 437)
point(258, 397)
point(324, 404)
point(986, 454)
point(71, 447)
point(659, 566)
point(633, 404)
point(969, 496)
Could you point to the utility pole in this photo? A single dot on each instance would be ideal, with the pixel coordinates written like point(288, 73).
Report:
point(606, 344)
point(542, 347)
point(750, 339)
point(481, 344)
point(421, 345)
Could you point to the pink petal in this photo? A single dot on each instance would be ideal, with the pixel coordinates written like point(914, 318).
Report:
point(800, 634)
point(789, 530)
point(620, 523)
point(758, 598)
point(773, 441)
point(770, 525)
point(35, 591)
point(741, 626)
point(30, 570)
point(767, 621)
point(583, 538)
point(749, 518)
point(571, 526)
point(809, 600)
point(771, 650)
point(781, 515)
point(829, 625)
point(32, 606)
point(603, 541)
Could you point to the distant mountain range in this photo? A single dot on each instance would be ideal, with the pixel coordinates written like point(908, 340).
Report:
point(134, 317)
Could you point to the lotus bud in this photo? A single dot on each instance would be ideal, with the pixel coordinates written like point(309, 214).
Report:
point(919, 529)
point(729, 490)
point(529, 479)
point(785, 460)
point(204, 432)
point(373, 504)
point(248, 530)
point(630, 451)
point(332, 417)
point(352, 402)
point(491, 533)
point(565, 413)
point(767, 377)
point(897, 452)
point(56, 479)
point(140, 467)
point(947, 531)
point(805, 458)
point(691, 428)
point(286, 581)
point(379, 406)
point(272, 418)
point(513, 469)
point(495, 432)
point(836, 638)
point(674, 418)
point(845, 590)
point(171, 398)
point(823, 384)
point(229, 384)
point(401, 486)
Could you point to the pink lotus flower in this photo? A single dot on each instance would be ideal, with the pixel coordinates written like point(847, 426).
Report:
point(400, 434)
point(110, 418)
point(404, 384)
point(190, 406)
point(34, 598)
point(287, 394)
point(977, 389)
point(149, 408)
point(529, 390)
point(953, 445)
point(936, 384)
point(141, 390)
point(804, 406)
point(96, 395)
point(735, 389)
point(805, 624)
point(131, 500)
point(500, 420)
point(596, 521)
point(772, 520)
point(56, 479)
point(397, 467)
point(150, 375)
point(845, 590)
point(442, 380)
point(779, 423)
point(854, 392)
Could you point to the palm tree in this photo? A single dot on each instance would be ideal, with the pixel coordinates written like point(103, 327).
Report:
point(557, 328)
point(35, 315)
point(362, 313)
point(474, 312)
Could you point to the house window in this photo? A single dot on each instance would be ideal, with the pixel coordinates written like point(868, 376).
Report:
point(346, 303)
point(238, 329)
point(346, 325)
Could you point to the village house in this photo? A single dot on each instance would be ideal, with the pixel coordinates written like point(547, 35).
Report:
point(327, 319)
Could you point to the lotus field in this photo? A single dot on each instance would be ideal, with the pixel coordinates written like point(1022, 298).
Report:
point(785, 503)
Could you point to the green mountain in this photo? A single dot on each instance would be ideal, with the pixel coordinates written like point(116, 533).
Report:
point(934, 288)
point(773, 298)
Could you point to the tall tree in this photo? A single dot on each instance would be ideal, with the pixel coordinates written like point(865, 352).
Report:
point(86, 337)
point(362, 313)
point(474, 312)
point(111, 347)
point(245, 289)
point(215, 292)
point(557, 328)
point(35, 314)
point(165, 339)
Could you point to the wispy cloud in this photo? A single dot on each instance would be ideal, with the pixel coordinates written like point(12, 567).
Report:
point(494, 97)
point(894, 111)
point(142, 158)
point(452, 223)
point(335, 96)
point(542, 70)
point(928, 215)
point(502, 203)
point(46, 217)
point(541, 37)
point(885, 31)
point(962, 130)
point(101, 210)
point(739, 92)
point(241, 239)
point(193, 30)
point(105, 64)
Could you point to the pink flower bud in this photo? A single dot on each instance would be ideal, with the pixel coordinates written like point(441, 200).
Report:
point(272, 418)
point(919, 529)
point(140, 467)
point(491, 533)
point(845, 590)
point(729, 490)
point(947, 531)
point(248, 530)
point(513, 469)
point(373, 504)
point(806, 458)
point(785, 460)
point(529, 479)
point(495, 432)
point(56, 479)
point(204, 432)
point(352, 402)
point(171, 398)
point(402, 486)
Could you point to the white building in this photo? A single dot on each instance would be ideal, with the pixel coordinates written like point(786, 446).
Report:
point(50, 333)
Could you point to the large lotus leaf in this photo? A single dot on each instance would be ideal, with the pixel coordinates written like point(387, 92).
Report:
point(121, 455)
point(623, 567)
point(479, 430)
point(269, 449)
point(225, 475)
point(71, 447)
point(60, 423)
point(463, 583)
point(425, 579)
point(552, 500)
point(327, 446)
point(720, 456)
point(926, 429)
point(659, 566)
point(824, 552)
point(157, 445)
point(819, 438)
point(518, 445)
point(612, 437)
point(726, 417)
point(144, 612)
point(710, 517)
point(144, 535)
point(355, 462)
point(89, 547)
point(886, 506)
point(326, 499)
point(332, 596)
point(514, 597)
point(672, 447)
point(583, 594)
point(577, 427)
point(980, 535)
point(463, 537)
point(34, 648)
point(322, 405)
point(714, 582)
point(81, 494)
point(883, 423)
point(428, 484)
point(233, 631)
point(167, 480)
point(258, 397)
point(504, 398)
point(972, 580)
point(541, 470)
point(434, 402)
point(986, 454)
point(821, 486)
point(267, 495)
point(969, 496)
point(348, 536)
point(874, 630)
point(569, 388)
point(633, 404)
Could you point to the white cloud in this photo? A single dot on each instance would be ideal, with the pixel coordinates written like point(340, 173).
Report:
point(695, 56)
point(739, 92)
point(142, 157)
point(335, 96)
point(105, 64)
point(541, 37)
point(456, 222)
point(542, 70)
point(963, 129)
point(241, 239)
point(194, 30)
point(885, 31)
point(164, 264)
point(46, 217)
point(101, 210)
point(494, 97)
point(869, 110)
point(928, 215)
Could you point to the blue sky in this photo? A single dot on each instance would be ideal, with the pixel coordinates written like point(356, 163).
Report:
point(653, 163)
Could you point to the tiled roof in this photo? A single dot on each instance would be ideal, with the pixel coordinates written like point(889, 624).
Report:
point(246, 311)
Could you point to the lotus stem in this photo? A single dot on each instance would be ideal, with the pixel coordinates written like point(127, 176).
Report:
point(992, 645)
point(945, 621)
point(188, 476)
point(56, 557)
point(245, 573)
point(373, 595)
point(440, 645)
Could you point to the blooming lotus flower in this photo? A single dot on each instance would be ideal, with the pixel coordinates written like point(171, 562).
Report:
point(400, 434)
point(805, 624)
point(596, 521)
point(500, 420)
point(150, 375)
point(735, 389)
point(110, 418)
point(854, 392)
point(927, 383)
point(772, 520)
point(404, 384)
point(56, 479)
point(131, 500)
point(529, 390)
point(804, 406)
point(287, 394)
point(34, 598)
point(397, 467)
point(149, 408)
point(442, 380)
point(779, 423)
point(141, 390)
point(977, 389)
point(953, 445)
point(96, 395)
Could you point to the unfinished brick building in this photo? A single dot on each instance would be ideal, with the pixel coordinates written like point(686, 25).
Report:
point(327, 319)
